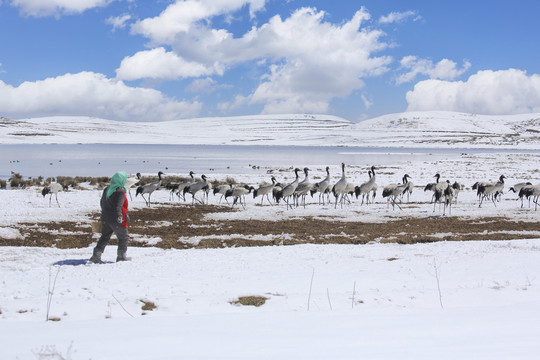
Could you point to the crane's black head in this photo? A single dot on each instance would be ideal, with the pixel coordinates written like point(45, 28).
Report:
point(203, 177)
point(45, 191)
point(191, 174)
point(139, 191)
point(139, 175)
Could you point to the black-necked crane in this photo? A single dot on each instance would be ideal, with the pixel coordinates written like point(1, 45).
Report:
point(288, 190)
point(340, 188)
point(182, 185)
point(438, 188)
point(222, 190)
point(149, 188)
point(239, 194)
point(449, 194)
point(367, 187)
point(322, 187)
point(457, 189)
point(196, 187)
point(491, 190)
point(265, 190)
point(132, 181)
point(517, 189)
point(408, 189)
point(303, 188)
point(392, 191)
point(531, 191)
point(53, 188)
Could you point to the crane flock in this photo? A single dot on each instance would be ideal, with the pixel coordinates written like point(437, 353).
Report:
point(294, 193)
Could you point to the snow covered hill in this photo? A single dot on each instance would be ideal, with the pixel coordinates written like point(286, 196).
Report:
point(409, 129)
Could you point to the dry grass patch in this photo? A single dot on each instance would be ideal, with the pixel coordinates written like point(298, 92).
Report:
point(176, 224)
point(250, 301)
point(148, 305)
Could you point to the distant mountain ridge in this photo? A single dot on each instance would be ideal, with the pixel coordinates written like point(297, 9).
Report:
point(408, 129)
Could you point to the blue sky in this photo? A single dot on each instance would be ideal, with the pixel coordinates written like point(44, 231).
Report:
point(163, 60)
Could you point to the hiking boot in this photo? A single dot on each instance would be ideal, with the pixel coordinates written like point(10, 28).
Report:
point(96, 258)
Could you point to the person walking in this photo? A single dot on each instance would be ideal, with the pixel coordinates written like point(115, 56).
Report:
point(114, 218)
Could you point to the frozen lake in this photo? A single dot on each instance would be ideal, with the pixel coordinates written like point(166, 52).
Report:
point(105, 159)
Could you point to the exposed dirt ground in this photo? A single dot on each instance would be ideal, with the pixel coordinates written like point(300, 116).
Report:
point(172, 222)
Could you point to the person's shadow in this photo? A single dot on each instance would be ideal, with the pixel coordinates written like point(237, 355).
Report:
point(77, 262)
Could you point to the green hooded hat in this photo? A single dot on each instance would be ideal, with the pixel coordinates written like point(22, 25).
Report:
point(118, 180)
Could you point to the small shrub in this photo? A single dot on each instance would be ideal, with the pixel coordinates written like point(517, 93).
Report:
point(148, 305)
point(16, 181)
point(250, 301)
point(3, 184)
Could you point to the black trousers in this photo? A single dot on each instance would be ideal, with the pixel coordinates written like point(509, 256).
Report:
point(107, 230)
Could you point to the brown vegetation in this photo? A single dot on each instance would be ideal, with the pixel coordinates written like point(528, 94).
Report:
point(250, 301)
point(176, 224)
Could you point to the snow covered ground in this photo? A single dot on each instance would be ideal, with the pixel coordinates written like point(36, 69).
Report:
point(445, 300)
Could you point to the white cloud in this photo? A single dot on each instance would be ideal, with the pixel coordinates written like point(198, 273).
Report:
point(160, 64)
point(118, 22)
point(486, 92)
point(91, 94)
point(309, 61)
point(182, 16)
point(319, 61)
point(443, 70)
point(396, 17)
point(42, 8)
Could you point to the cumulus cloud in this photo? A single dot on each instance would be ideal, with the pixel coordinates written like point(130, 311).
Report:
point(443, 70)
point(396, 17)
point(486, 92)
point(319, 61)
point(118, 22)
point(91, 94)
point(161, 64)
point(42, 8)
point(182, 16)
point(308, 61)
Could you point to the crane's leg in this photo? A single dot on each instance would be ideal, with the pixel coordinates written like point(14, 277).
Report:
point(56, 196)
point(146, 201)
point(397, 204)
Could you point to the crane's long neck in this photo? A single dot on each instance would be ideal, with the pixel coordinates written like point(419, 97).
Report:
point(297, 178)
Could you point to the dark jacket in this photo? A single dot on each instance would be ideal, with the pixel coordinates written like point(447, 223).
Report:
point(114, 209)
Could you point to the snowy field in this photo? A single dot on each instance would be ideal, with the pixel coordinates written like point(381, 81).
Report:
point(444, 300)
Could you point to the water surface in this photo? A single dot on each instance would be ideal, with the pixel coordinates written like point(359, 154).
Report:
point(105, 159)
